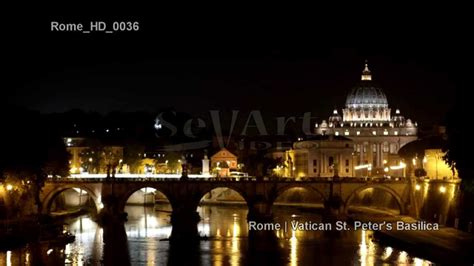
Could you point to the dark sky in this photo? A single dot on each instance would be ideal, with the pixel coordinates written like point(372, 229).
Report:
point(195, 64)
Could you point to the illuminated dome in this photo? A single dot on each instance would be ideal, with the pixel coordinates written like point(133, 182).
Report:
point(366, 94)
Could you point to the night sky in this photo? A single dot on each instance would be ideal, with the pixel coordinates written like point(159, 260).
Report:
point(198, 64)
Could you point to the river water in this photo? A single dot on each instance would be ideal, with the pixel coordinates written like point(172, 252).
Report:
point(228, 243)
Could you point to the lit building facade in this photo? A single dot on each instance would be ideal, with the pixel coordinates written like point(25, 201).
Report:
point(377, 134)
point(222, 162)
point(322, 156)
point(85, 158)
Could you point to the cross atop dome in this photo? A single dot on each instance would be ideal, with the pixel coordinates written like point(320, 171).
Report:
point(366, 72)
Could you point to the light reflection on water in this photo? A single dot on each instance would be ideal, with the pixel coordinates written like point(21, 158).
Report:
point(229, 245)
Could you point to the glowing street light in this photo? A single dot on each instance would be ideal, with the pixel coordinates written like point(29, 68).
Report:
point(442, 189)
point(417, 187)
point(9, 187)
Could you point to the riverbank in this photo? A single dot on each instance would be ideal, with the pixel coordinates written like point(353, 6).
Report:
point(445, 245)
point(18, 232)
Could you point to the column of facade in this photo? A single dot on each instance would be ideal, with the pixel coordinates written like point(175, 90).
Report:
point(379, 155)
point(370, 154)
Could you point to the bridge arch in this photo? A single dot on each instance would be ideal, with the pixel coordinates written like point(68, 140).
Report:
point(129, 192)
point(281, 190)
point(393, 193)
point(207, 190)
point(51, 196)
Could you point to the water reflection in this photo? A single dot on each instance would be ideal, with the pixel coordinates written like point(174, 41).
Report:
point(140, 242)
point(294, 248)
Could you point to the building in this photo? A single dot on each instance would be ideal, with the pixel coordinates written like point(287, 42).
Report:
point(88, 156)
point(376, 132)
point(322, 156)
point(75, 146)
point(223, 161)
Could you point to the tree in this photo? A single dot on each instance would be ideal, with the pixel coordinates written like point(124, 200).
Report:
point(132, 156)
point(457, 156)
point(100, 159)
point(457, 150)
point(31, 151)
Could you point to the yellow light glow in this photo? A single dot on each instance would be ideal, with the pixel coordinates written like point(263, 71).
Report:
point(386, 169)
point(402, 258)
point(442, 189)
point(413, 161)
point(400, 166)
point(9, 258)
point(9, 187)
point(417, 187)
point(387, 253)
point(384, 161)
point(362, 166)
point(293, 248)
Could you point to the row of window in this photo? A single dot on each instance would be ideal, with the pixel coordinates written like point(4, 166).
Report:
point(347, 133)
point(386, 147)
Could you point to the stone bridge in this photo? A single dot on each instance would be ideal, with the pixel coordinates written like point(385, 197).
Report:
point(110, 195)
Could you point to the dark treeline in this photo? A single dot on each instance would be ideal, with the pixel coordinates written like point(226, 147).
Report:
point(31, 150)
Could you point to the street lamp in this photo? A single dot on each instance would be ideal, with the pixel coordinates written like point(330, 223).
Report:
point(442, 189)
point(89, 170)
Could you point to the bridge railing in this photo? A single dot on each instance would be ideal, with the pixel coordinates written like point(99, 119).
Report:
point(231, 179)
